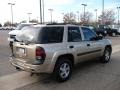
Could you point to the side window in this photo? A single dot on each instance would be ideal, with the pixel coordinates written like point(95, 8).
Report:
point(88, 34)
point(51, 34)
point(74, 34)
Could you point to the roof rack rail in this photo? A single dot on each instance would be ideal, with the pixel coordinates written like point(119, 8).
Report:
point(59, 24)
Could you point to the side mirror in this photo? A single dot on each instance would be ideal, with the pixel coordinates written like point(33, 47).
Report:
point(99, 37)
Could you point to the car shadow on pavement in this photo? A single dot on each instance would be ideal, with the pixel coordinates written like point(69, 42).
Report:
point(81, 73)
point(80, 68)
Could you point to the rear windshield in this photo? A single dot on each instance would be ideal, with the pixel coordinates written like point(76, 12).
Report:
point(51, 35)
point(28, 35)
point(20, 26)
point(41, 35)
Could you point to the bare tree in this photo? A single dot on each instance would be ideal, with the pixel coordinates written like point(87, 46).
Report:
point(33, 21)
point(86, 19)
point(23, 21)
point(7, 23)
point(69, 18)
point(107, 18)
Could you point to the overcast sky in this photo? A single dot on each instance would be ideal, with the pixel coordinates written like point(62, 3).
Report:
point(22, 7)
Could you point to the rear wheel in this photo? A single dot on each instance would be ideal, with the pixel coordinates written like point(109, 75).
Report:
point(63, 69)
point(107, 55)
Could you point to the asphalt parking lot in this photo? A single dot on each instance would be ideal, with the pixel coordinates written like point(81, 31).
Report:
point(88, 75)
point(5, 67)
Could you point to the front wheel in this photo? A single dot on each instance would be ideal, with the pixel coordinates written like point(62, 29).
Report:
point(106, 56)
point(63, 69)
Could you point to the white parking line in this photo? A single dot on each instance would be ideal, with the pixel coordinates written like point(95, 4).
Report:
point(20, 79)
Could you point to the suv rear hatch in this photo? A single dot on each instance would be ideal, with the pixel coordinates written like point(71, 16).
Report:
point(33, 40)
point(24, 48)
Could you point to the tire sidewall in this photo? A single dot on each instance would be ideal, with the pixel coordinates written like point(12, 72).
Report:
point(104, 57)
point(57, 69)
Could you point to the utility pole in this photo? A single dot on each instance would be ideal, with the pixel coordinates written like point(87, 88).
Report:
point(11, 4)
point(96, 16)
point(51, 10)
point(63, 17)
point(103, 22)
point(41, 12)
point(78, 15)
point(84, 5)
point(118, 14)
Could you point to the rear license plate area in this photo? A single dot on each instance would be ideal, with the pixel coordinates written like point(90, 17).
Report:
point(21, 51)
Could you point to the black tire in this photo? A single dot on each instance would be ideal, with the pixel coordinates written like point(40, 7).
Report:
point(106, 56)
point(58, 72)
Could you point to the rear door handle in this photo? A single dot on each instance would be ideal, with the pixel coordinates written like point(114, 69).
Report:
point(71, 46)
point(88, 45)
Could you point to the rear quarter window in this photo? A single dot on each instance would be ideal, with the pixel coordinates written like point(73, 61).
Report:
point(51, 35)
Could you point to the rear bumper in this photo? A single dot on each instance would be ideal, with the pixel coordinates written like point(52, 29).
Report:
point(43, 68)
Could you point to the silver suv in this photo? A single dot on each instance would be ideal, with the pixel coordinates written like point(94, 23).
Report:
point(57, 48)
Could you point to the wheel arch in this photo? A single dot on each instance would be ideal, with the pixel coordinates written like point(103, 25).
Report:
point(109, 46)
point(69, 56)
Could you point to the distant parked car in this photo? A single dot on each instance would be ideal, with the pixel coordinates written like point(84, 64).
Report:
point(113, 32)
point(101, 32)
point(107, 30)
point(3, 28)
point(0, 28)
point(9, 28)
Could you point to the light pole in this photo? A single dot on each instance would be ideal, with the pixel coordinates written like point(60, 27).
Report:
point(103, 12)
point(78, 15)
point(84, 9)
point(42, 15)
point(43, 11)
point(118, 13)
point(63, 17)
point(40, 11)
point(38, 19)
point(96, 15)
point(29, 16)
point(11, 4)
point(51, 10)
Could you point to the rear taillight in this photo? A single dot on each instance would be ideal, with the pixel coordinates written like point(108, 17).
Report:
point(40, 55)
